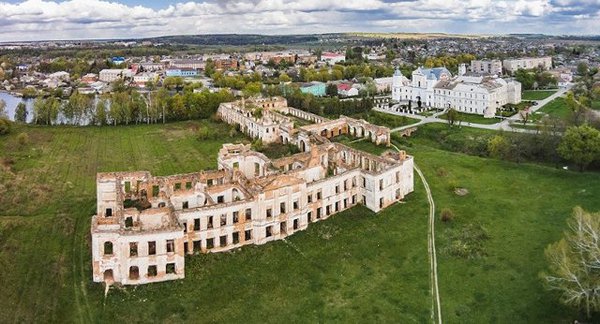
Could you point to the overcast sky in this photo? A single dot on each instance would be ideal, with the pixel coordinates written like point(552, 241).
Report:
point(77, 19)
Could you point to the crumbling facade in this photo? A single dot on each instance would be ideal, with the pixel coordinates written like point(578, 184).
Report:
point(145, 224)
point(270, 119)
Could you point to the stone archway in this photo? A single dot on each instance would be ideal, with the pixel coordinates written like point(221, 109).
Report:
point(302, 146)
point(108, 276)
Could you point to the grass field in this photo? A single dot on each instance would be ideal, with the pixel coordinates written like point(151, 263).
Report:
point(557, 108)
point(537, 94)
point(384, 119)
point(353, 266)
point(472, 118)
point(356, 266)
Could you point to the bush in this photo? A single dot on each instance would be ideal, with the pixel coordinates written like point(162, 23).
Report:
point(447, 215)
point(232, 132)
point(5, 126)
point(205, 134)
point(257, 145)
point(23, 139)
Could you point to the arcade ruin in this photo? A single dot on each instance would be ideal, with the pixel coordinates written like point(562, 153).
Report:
point(145, 225)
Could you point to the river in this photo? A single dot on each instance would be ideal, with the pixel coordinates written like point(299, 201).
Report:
point(12, 102)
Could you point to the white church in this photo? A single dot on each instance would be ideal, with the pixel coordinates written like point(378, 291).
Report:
point(472, 94)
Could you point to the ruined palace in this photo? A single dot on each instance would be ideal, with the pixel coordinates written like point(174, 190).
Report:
point(146, 224)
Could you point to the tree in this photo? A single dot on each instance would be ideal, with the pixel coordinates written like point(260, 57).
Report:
point(100, 115)
point(21, 113)
point(252, 89)
point(283, 77)
point(209, 68)
point(331, 90)
point(451, 116)
point(526, 78)
point(574, 263)
point(5, 126)
point(3, 113)
point(173, 83)
point(499, 147)
point(580, 145)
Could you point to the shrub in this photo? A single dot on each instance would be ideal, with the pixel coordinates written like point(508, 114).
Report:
point(205, 134)
point(5, 126)
point(23, 139)
point(232, 132)
point(447, 215)
point(257, 145)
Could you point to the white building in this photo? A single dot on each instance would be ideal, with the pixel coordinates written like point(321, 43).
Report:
point(436, 88)
point(511, 66)
point(194, 64)
point(420, 88)
point(487, 66)
point(110, 75)
point(476, 94)
point(60, 76)
point(141, 79)
point(333, 58)
point(384, 84)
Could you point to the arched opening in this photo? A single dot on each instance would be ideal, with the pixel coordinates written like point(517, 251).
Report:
point(134, 273)
point(108, 248)
point(161, 205)
point(281, 139)
point(108, 276)
point(235, 194)
point(324, 133)
point(302, 146)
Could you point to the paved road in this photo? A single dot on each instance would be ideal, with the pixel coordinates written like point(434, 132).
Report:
point(503, 125)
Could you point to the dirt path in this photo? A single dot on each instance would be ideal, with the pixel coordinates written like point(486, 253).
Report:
point(432, 252)
point(436, 305)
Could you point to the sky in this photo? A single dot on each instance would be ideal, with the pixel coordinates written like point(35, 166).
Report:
point(93, 19)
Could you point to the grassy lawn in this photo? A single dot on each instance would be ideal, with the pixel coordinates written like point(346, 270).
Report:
point(557, 108)
point(472, 118)
point(523, 208)
point(537, 94)
point(355, 266)
point(521, 216)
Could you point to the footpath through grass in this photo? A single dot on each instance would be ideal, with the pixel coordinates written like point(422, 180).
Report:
point(490, 256)
point(537, 94)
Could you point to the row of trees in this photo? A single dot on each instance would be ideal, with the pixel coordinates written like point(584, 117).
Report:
point(332, 106)
point(341, 72)
point(451, 62)
point(579, 145)
point(124, 107)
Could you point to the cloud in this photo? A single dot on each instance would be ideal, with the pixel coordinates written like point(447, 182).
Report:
point(42, 19)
